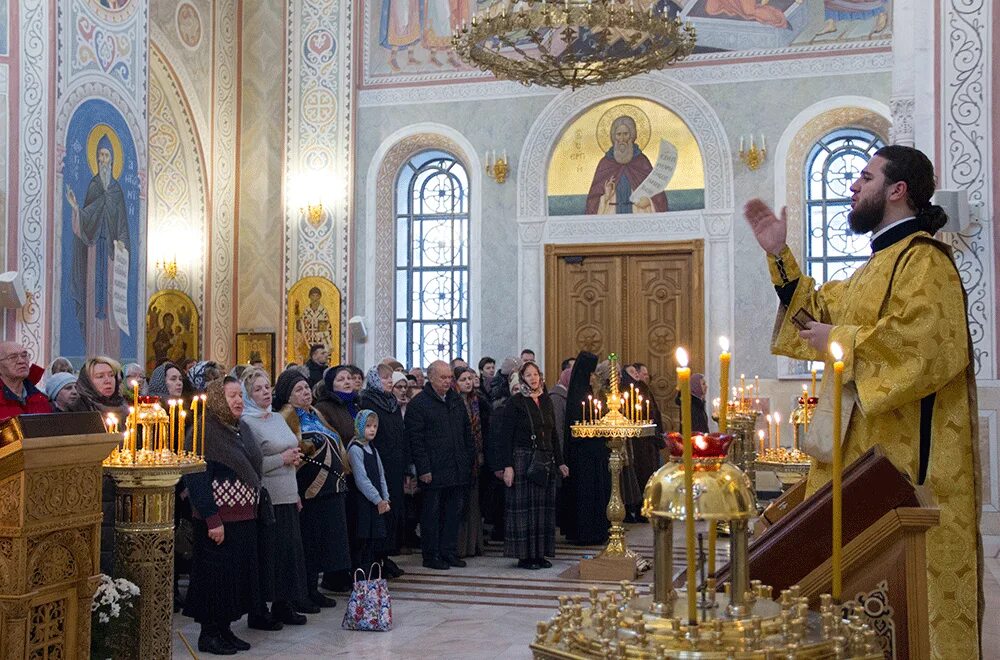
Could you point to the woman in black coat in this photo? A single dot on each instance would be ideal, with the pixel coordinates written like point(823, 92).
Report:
point(585, 495)
point(391, 444)
point(224, 571)
point(530, 512)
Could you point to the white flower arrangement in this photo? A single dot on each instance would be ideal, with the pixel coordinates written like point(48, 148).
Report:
point(112, 612)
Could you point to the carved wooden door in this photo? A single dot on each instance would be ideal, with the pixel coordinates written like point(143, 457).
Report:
point(638, 300)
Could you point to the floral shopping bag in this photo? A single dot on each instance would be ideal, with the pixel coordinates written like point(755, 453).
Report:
point(370, 607)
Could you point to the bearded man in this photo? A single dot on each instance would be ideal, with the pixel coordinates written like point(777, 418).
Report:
point(622, 169)
point(901, 321)
point(98, 227)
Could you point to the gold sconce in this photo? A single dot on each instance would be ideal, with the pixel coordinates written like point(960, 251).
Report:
point(497, 168)
point(755, 156)
point(313, 213)
point(167, 267)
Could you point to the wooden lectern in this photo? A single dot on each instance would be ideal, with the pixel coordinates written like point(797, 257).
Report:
point(50, 532)
point(884, 570)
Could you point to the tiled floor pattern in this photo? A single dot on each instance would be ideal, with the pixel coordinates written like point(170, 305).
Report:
point(486, 610)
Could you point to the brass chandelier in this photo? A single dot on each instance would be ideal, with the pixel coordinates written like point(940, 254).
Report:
point(572, 43)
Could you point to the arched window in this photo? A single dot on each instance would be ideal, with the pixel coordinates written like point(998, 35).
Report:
point(835, 161)
point(432, 259)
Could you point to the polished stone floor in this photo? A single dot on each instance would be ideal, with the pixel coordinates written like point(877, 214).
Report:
point(487, 610)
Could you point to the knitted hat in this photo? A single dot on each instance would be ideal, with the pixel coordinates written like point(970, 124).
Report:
point(55, 383)
point(396, 377)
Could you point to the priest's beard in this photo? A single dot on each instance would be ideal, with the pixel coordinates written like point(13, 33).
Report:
point(867, 214)
point(623, 153)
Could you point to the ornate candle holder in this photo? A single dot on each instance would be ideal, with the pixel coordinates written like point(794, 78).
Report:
point(146, 467)
point(749, 625)
point(801, 418)
point(617, 427)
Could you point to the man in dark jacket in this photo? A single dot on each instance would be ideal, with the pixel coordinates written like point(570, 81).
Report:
point(443, 451)
point(699, 415)
point(19, 377)
point(319, 358)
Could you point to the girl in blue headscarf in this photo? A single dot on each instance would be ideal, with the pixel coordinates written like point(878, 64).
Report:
point(369, 496)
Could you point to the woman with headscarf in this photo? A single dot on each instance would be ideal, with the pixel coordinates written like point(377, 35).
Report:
point(470, 531)
point(368, 502)
point(393, 450)
point(279, 541)
point(169, 382)
point(203, 373)
point(224, 499)
point(98, 387)
point(133, 371)
point(59, 365)
point(528, 429)
point(337, 400)
point(585, 494)
point(322, 487)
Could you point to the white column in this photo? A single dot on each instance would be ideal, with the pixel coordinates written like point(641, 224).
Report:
point(530, 281)
point(720, 277)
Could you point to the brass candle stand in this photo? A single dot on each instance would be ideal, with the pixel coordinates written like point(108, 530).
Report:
point(748, 624)
point(625, 418)
point(146, 469)
point(790, 463)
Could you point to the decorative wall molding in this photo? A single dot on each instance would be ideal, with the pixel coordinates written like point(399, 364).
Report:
point(34, 98)
point(729, 72)
point(901, 131)
point(219, 322)
point(319, 93)
point(178, 204)
point(966, 62)
point(380, 229)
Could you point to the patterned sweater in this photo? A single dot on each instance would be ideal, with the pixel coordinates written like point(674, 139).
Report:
point(218, 496)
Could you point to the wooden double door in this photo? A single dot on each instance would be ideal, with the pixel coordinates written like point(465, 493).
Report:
point(639, 300)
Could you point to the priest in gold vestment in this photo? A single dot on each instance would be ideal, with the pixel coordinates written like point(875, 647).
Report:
point(901, 320)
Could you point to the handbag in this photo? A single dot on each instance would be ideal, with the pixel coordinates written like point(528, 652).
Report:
point(265, 510)
point(543, 462)
point(369, 607)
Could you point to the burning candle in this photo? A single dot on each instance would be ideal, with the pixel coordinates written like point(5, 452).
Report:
point(194, 433)
point(649, 417)
point(777, 430)
point(760, 434)
point(724, 358)
point(180, 431)
point(135, 401)
point(201, 445)
point(131, 440)
point(813, 389)
point(756, 386)
point(838, 468)
point(684, 383)
point(770, 421)
point(743, 387)
point(593, 409)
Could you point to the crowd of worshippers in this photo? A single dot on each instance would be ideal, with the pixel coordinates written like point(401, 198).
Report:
point(330, 469)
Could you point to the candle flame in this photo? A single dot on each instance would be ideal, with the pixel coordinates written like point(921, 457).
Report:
point(724, 344)
point(836, 351)
point(777, 417)
point(134, 383)
point(681, 356)
point(760, 434)
point(769, 418)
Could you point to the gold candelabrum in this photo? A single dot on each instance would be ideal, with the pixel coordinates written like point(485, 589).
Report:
point(755, 156)
point(497, 168)
point(146, 467)
point(621, 417)
point(789, 463)
point(745, 622)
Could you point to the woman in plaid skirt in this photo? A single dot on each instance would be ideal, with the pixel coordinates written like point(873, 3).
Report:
point(527, 433)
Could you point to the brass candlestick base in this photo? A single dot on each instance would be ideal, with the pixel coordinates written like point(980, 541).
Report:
point(144, 546)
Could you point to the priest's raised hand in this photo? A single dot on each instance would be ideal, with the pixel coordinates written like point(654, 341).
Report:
point(769, 230)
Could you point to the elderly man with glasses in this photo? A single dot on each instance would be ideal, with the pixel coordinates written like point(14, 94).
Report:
point(19, 378)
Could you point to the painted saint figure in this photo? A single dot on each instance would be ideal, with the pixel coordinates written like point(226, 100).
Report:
point(399, 29)
point(622, 169)
point(98, 226)
point(441, 19)
point(313, 324)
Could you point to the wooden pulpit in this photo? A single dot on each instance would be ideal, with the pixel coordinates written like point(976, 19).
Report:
point(884, 567)
point(50, 532)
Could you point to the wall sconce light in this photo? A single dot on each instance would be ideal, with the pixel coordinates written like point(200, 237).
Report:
point(313, 213)
point(755, 156)
point(168, 267)
point(497, 168)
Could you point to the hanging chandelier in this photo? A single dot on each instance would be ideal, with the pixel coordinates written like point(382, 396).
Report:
point(572, 43)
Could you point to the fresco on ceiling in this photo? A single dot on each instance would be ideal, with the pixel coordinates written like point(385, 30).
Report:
point(408, 41)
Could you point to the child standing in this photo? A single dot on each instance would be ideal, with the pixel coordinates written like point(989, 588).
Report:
point(369, 499)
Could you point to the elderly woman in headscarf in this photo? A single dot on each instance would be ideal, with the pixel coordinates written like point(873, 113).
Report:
point(224, 500)
point(133, 371)
point(59, 365)
point(368, 501)
point(279, 540)
point(470, 531)
point(394, 451)
point(336, 398)
point(322, 486)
